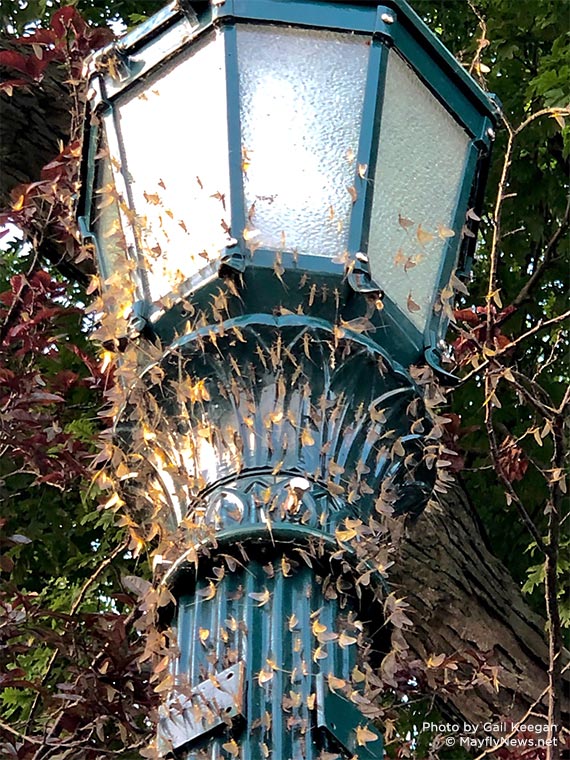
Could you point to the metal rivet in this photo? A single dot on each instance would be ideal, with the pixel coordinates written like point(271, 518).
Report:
point(387, 18)
point(361, 257)
point(491, 133)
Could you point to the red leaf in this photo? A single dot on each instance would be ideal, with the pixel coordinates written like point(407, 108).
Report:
point(65, 380)
point(44, 281)
point(67, 18)
point(52, 478)
point(100, 379)
point(501, 340)
point(467, 315)
point(36, 67)
point(512, 460)
point(39, 37)
point(14, 60)
point(100, 37)
point(7, 377)
point(7, 86)
point(6, 563)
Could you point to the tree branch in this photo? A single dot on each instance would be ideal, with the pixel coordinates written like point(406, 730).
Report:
point(540, 325)
point(501, 196)
point(522, 720)
point(564, 403)
point(496, 237)
point(482, 41)
point(18, 735)
point(516, 379)
point(494, 449)
point(551, 595)
point(72, 610)
point(133, 615)
point(539, 114)
point(547, 254)
point(17, 304)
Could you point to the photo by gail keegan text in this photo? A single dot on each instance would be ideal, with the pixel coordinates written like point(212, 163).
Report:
point(492, 736)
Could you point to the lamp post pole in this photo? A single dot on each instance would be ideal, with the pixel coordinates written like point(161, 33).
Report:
point(282, 198)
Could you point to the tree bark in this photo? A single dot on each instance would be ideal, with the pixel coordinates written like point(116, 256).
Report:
point(33, 120)
point(463, 597)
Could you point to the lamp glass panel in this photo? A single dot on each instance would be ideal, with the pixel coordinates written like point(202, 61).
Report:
point(173, 128)
point(301, 97)
point(419, 169)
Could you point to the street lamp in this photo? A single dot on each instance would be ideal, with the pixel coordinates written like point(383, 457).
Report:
point(289, 192)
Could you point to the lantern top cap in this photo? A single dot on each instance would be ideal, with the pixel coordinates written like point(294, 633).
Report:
point(361, 16)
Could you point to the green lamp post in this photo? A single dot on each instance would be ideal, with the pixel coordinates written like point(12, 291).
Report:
point(291, 189)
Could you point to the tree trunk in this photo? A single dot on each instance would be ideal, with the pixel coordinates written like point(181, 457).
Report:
point(463, 597)
point(33, 120)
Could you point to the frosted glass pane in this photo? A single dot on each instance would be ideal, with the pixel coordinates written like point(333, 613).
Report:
point(174, 132)
point(301, 104)
point(421, 158)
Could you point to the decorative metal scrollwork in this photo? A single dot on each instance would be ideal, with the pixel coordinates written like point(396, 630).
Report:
point(237, 419)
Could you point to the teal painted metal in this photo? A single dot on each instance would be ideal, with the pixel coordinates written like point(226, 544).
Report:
point(276, 640)
point(276, 501)
point(423, 51)
point(300, 262)
point(296, 445)
point(261, 321)
point(88, 173)
point(359, 17)
point(252, 320)
point(285, 534)
point(353, 387)
point(237, 200)
point(85, 220)
point(340, 719)
point(147, 29)
point(340, 16)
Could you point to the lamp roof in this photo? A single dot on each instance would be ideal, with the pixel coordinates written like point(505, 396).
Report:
point(356, 16)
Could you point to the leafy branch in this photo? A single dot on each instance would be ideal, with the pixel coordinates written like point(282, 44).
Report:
point(528, 390)
point(76, 604)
